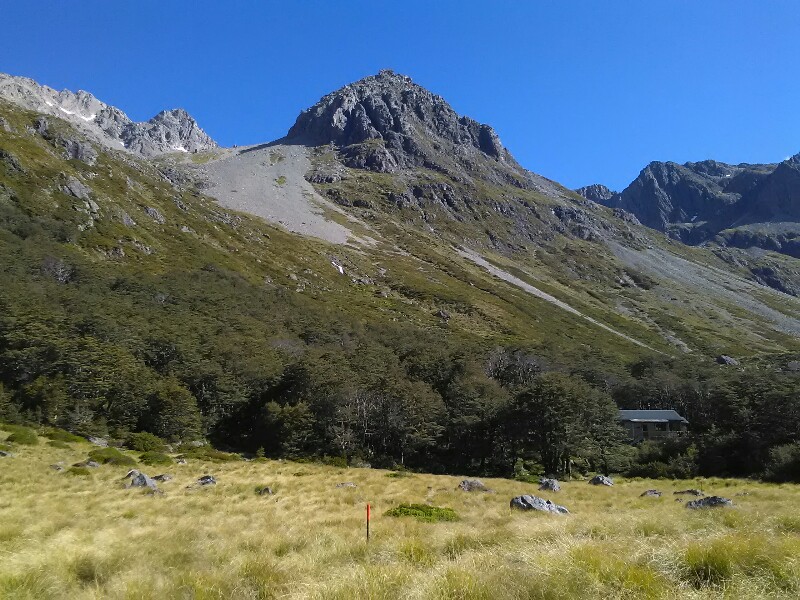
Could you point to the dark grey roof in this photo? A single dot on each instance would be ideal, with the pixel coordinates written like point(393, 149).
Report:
point(650, 415)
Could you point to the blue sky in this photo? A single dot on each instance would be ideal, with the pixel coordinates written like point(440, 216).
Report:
point(581, 92)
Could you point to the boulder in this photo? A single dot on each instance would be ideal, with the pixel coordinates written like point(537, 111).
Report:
point(690, 492)
point(264, 491)
point(4, 454)
point(549, 485)
point(723, 359)
point(98, 441)
point(527, 502)
point(601, 480)
point(709, 502)
point(142, 480)
point(207, 480)
point(163, 477)
point(346, 484)
point(650, 494)
point(91, 464)
point(131, 473)
point(472, 485)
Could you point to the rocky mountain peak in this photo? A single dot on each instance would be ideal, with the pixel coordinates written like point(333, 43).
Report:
point(403, 124)
point(169, 131)
point(596, 192)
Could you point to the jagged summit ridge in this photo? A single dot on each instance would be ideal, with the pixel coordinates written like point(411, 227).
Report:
point(169, 131)
point(596, 192)
point(406, 124)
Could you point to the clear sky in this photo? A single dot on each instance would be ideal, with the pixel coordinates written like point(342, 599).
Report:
point(580, 91)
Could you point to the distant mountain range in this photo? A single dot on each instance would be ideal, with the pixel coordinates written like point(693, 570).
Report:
point(743, 206)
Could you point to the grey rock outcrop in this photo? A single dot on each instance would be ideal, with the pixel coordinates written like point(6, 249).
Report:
point(709, 502)
point(142, 480)
point(98, 441)
point(472, 485)
point(527, 502)
point(650, 494)
point(169, 131)
point(601, 480)
point(727, 360)
point(75, 188)
point(550, 485)
point(596, 192)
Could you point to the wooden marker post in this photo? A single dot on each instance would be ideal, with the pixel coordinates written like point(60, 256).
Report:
point(368, 515)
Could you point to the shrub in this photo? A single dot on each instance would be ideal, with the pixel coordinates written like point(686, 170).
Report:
point(423, 512)
point(207, 453)
point(22, 435)
point(784, 463)
point(398, 474)
point(111, 456)
point(79, 472)
point(59, 444)
point(155, 458)
point(145, 442)
point(62, 435)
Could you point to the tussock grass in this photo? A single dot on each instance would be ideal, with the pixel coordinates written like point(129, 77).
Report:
point(88, 537)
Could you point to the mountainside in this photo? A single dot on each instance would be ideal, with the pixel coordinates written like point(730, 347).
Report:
point(387, 260)
point(169, 131)
point(741, 206)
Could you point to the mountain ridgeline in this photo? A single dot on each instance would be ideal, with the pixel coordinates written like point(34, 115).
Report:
point(743, 206)
point(385, 284)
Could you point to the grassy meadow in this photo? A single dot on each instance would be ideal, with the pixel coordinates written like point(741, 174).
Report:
point(72, 535)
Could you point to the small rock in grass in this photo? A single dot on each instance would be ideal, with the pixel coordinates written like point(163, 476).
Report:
point(601, 480)
point(87, 463)
point(4, 454)
point(265, 491)
point(472, 485)
point(207, 480)
point(181, 461)
point(549, 485)
point(709, 502)
point(142, 480)
point(57, 467)
point(163, 477)
point(527, 502)
point(346, 484)
point(691, 492)
point(650, 494)
point(98, 441)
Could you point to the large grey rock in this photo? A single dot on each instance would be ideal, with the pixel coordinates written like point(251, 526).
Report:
point(207, 480)
point(550, 485)
point(79, 150)
point(527, 502)
point(142, 480)
point(601, 480)
point(472, 485)
point(709, 502)
point(4, 454)
point(75, 188)
point(727, 360)
point(98, 441)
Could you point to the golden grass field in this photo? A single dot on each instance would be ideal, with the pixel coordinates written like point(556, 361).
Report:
point(78, 537)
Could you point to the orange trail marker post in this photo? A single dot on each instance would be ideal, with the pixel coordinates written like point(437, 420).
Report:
point(368, 515)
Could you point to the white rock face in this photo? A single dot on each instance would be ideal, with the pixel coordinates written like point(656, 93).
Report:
point(169, 131)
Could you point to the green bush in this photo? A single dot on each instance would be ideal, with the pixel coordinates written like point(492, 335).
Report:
point(79, 472)
point(784, 464)
point(62, 435)
point(207, 453)
point(423, 512)
point(155, 458)
point(111, 456)
point(22, 435)
point(59, 444)
point(398, 474)
point(145, 442)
